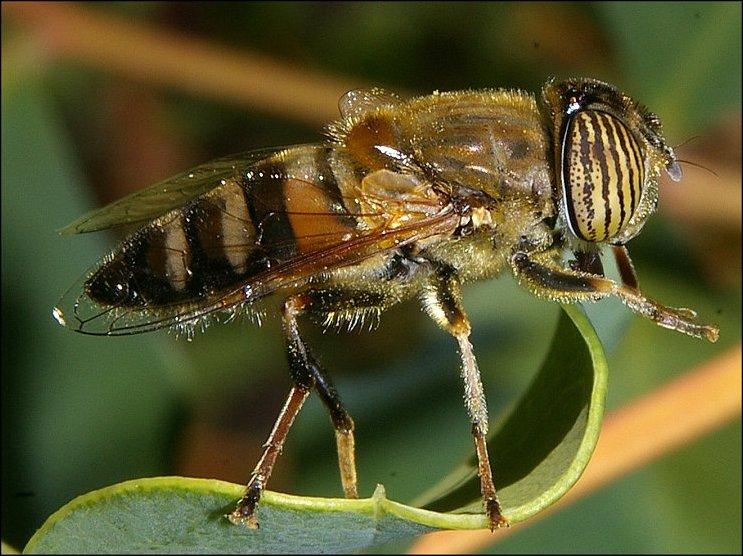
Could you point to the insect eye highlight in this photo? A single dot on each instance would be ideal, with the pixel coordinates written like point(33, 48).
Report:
point(573, 100)
point(602, 172)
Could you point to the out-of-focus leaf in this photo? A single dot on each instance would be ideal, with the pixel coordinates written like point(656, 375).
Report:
point(7, 549)
point(77, 413)
point(695, 74)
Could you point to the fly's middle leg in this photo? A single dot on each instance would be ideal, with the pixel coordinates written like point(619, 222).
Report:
point(442, 301)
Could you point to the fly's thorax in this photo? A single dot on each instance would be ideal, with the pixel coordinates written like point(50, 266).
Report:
point(486, 140)
point(490, 235)
point(369, 131)
point(607, 155)
point(490, 141)
point(474, 257)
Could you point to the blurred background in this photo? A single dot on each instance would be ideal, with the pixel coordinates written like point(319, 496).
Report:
point(99, 100)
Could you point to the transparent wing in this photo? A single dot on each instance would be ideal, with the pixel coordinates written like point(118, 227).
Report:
point(286, 219)
point(359, 101)
point(174, 192)
point(333, 251)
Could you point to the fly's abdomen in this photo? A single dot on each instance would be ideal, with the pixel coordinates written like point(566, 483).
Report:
point(283, 207)
point(207, 246)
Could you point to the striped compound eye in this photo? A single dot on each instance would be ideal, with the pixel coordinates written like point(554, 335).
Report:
point(602, 174)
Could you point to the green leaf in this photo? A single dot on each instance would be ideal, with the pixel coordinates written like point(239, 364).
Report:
point(538, 454)
point(545, 443)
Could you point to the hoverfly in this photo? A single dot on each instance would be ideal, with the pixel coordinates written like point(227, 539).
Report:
point(404, 199)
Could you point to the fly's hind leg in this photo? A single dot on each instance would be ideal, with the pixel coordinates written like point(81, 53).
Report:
point(306, 374)
point(442, 301)
point(544, 277)
point(339, 305)
point(344, 437)
point(303, 380)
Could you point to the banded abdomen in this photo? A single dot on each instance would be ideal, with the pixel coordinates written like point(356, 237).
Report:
point(275, 211)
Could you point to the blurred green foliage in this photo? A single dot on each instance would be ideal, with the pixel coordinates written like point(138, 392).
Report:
point(80, 413)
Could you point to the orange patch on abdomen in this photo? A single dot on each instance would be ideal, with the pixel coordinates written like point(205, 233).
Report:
point(314, 216)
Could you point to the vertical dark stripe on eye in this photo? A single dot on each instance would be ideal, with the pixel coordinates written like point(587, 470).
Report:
point(571, 172)
point(633, 163)
point(618, 158)
point(587, 212)
point(599, 151)
point(639, 163)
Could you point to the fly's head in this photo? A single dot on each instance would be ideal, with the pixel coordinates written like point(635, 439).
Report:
point(607, 152)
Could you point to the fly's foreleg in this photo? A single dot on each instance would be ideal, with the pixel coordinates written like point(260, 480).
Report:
point(625, 266)
point(442, 301)
point(540, 274)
